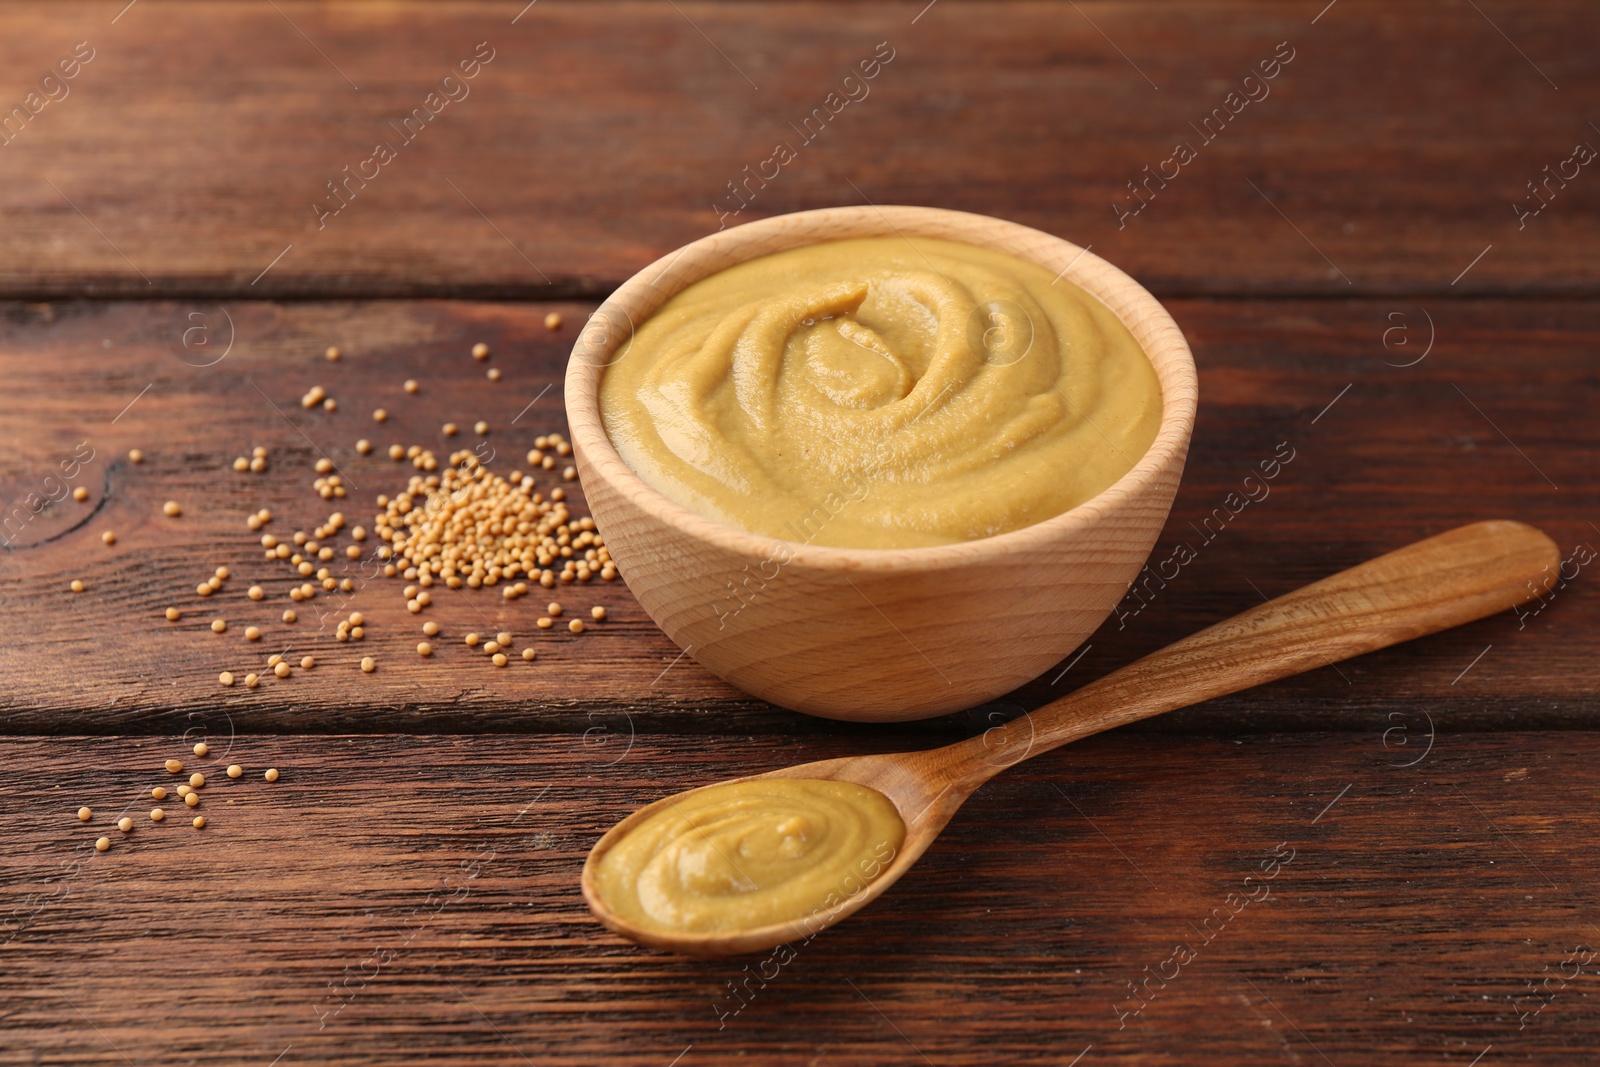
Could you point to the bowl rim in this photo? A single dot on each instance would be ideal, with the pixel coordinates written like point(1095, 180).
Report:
point(640, 296)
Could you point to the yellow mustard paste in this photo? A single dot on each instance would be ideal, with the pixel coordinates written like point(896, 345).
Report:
point(748, 854)
point(881, 393)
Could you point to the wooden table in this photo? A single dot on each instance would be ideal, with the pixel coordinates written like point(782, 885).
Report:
point(1352, 246)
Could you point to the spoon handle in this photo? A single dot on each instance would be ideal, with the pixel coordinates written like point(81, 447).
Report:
point(1465, 574)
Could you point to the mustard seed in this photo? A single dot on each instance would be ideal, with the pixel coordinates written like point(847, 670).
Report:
point(199, 822)
point(330, 404)
point(553, 609)
point(241, 464)
point(197, 780)
point(500, 659)
point(368, 665)
point(480, 427)
point(598, 612)
point(225, 678)
point(356, 618)
point(221, 573)
point(159, 793)
point(252, 633)
point(494, 374)
point(380, 415)
point(552, 321)
point(136, 456)
point(449, 429)
point(576, 626)
point(171, 509)
point(570, 474)
point(193, 800)
point(109, 538)
point(80, 494)
point(424, 649)
point(156, 814)
point(271, 775)
point(252, 680)
point(255, 592)
point(102, 844)
point(332, 353)
point(411, 386)
point(529, 654)
point(430, 628)
point(471, 639)
point(84, 814)
point(77, 585)
point(281, 670)
point(544, 622)
point(491, 647)
point(202, 749)
point(364, 446)
point(219, 626)
point(504, 637)
point(275, 659)
point(184, 790)
point(125, 824)
point(234, 771)
point(258, 465)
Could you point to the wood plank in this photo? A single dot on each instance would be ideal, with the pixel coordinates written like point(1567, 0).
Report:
point(1387, 157)
point(415, 899)
point(1390, 461)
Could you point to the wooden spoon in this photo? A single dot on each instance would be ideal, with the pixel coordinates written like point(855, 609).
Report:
point(1465, 574)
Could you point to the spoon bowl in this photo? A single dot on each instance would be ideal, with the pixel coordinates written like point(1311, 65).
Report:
point(1453, 578)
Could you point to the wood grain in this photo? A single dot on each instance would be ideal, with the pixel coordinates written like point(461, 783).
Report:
point(190, 151)
point(416, 899)
point(1386, 464)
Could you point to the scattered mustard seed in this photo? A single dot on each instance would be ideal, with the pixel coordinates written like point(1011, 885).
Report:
point(196, 780)
point(480, 351)
point(199, 822)
point(364, 446)
point(307, 662)
point(156, 814)
point(576, 626)
point(480, 427)
point(499, 659)
point(225, 678)
point(289, 615)
point(171, 509)
point(553, 609)
point(136, 456)
point(202, 749)
point(185, 790)
point(222, 572)
point(234, 771)
point(552, 321)
point(411, 386)
point(125, 824)
point(80, 494)
point(332, 353)
point(449, 429)
point(544, 622)
point(430, 628)
point(494, 374)
point(252, 633)
point(368, 664)
point(281, 670)
point(504, 637)
point(424, 649)
point(255, 592)
point(324, 465)
point(380, 415)
point(192, 799)
point(529, 654)
point(271, 775)
point(84, 814)
point(219, 626)
point(77, 585)
point(598, 612)
point(159, 793)
point(102, 844)
point(252, 680)
point(109, 538)
point(471, 639)
point(491, 647)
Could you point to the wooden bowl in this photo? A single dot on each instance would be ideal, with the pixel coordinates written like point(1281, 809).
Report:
point(878, 635)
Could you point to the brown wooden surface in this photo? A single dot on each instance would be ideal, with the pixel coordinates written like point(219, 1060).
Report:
point(1387, 464)
point(1407, 927)
point(1325, 226)
point(602, 136)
